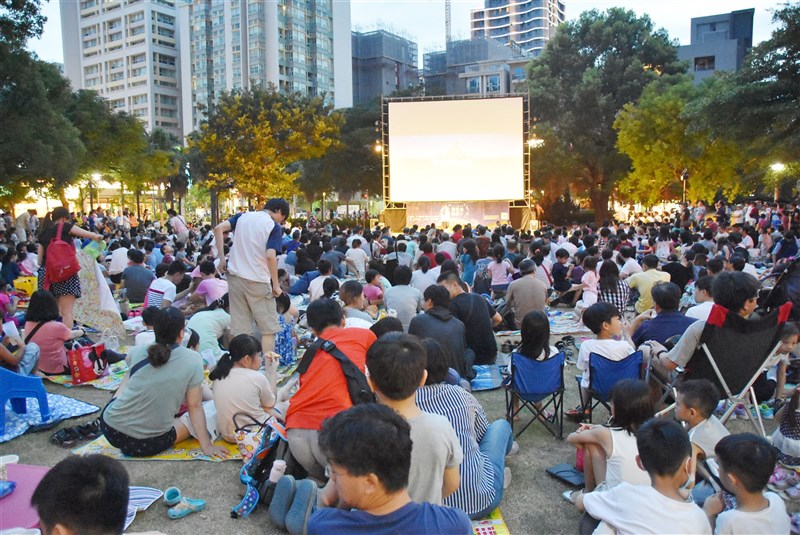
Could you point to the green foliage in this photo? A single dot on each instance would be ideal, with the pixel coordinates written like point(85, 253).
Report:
point(657, 135)
point(253, 139)
point(353, 164)
point(19, 21)
point(590, 69)
point(39, 146)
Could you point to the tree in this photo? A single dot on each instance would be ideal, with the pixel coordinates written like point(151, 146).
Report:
point(353, 164)
point(254, 139)
point(587, 73)
point(39, 146)
point(657, 135)
point(19, 21)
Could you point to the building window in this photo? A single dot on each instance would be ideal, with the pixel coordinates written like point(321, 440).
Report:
point(705, 63)
point(519, 73)
point(493, 83)
point(474, 85)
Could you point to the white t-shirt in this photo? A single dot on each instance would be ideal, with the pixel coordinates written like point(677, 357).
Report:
point(243, 390)
point(630, 267)
point(119, 261)
point(359, 258)
point(701, 311)
point(611, 349)
point(773, 519)
point(159, 291)
point(315, 288)
point(248, 257)
point(449, 248)
point(638, 509)
point(145, 338)
point(421, 281)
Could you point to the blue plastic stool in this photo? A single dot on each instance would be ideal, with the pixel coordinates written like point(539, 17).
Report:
point(18, 388)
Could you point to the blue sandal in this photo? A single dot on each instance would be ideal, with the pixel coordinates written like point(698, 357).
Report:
point(281, 501)
point(172, 496)
point(185, 507)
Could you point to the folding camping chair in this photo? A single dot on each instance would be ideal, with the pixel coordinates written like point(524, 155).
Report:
point(532, 381)
point(732, 354)
point(603, 375)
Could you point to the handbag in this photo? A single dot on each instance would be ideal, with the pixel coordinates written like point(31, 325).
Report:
point(248, 436)
point(87, 363)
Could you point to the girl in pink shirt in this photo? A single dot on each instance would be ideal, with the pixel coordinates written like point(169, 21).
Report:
point(590, 281)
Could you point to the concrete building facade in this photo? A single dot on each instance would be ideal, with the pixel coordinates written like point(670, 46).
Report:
point(527, 23)
point(382, 63)
point(475, 66)
point(127, 51)
point(718, 43)
point(300, 46)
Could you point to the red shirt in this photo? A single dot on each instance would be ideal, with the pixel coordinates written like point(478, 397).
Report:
point(323, 388)
point(432, 258)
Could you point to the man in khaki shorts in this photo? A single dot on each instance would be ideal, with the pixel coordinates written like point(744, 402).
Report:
point(253, 268)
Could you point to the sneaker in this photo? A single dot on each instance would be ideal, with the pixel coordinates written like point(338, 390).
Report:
point(282, 501)
point(741, 413)
point(506, 477)
point(720, 410)
point(514, 449)
point(782, 479)
point(304, 503)
point(766, 412)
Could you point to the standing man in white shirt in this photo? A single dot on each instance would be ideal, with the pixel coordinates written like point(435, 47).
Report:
point(252, 268)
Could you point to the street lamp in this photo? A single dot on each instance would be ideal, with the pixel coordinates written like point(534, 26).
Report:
point(323, 205)
point(535, 143)
point(378, 147)
point(777, 167)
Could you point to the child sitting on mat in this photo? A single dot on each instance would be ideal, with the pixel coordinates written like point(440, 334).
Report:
point(239, 386)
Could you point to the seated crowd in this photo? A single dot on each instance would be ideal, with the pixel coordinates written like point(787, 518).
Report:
point(414, 313)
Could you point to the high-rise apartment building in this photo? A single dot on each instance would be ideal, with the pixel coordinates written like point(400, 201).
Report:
point(719, 43)
point(127, 51)
point(301, 46)
point(382, 64)
point(528, 23)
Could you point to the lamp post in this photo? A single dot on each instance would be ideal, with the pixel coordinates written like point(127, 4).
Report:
point(777, 168)
point(324, 194)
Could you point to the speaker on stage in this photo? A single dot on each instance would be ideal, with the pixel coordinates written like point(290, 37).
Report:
point(395, 219)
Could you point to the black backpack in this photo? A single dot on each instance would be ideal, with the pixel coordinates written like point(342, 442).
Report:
point(357, 384)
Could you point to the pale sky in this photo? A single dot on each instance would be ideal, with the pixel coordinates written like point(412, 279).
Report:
point(423, 20)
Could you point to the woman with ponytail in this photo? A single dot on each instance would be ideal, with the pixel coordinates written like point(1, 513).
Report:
point(140, 418)
point(211, 324)
point(239, 386)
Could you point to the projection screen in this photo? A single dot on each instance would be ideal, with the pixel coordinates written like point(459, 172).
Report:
point(456, 150)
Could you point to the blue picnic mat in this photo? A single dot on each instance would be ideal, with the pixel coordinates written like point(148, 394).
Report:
point(61, 408)
point(488, 377)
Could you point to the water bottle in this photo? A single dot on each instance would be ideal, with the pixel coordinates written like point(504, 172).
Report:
point(278, 469)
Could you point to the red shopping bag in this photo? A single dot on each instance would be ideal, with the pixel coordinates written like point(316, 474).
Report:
point(87, 363)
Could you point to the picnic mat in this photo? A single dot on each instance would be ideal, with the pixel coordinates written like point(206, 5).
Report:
point(188, 450)
point(17, 511)
point(565, 323)
point(491, 525)
point(140, 498)
point(61, 408)
point(487, 377)
point(110, 381)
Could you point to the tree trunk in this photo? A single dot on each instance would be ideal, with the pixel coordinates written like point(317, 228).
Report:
point(138, 202)
point(214, 208)
point(62, 196)
point(599, 200)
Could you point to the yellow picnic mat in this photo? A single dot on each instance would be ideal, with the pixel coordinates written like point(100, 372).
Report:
point(491, 525)
point(188, 450)
point(110, 381)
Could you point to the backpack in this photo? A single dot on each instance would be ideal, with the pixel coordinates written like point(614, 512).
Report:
point(357, 385)
point(61, 262)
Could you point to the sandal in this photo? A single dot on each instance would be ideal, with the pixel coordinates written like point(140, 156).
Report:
point(185, 507)
point(577, 414)
point(546, 416)
point(66, 438)
point(569, 495)
point(90, 430)
point(172, 496)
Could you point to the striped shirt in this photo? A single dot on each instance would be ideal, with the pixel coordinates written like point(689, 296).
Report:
point(617, 297)
point(466, 415)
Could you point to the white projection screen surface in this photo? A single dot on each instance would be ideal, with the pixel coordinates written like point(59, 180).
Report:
point(456, 150)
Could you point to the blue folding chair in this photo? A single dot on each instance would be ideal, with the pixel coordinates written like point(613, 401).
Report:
point(18, 388)
point(532, 381)
point(604, 374)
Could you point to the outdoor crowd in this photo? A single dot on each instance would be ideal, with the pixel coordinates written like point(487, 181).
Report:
point(411, 313)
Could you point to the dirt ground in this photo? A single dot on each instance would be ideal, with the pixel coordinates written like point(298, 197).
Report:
point(531, 505)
